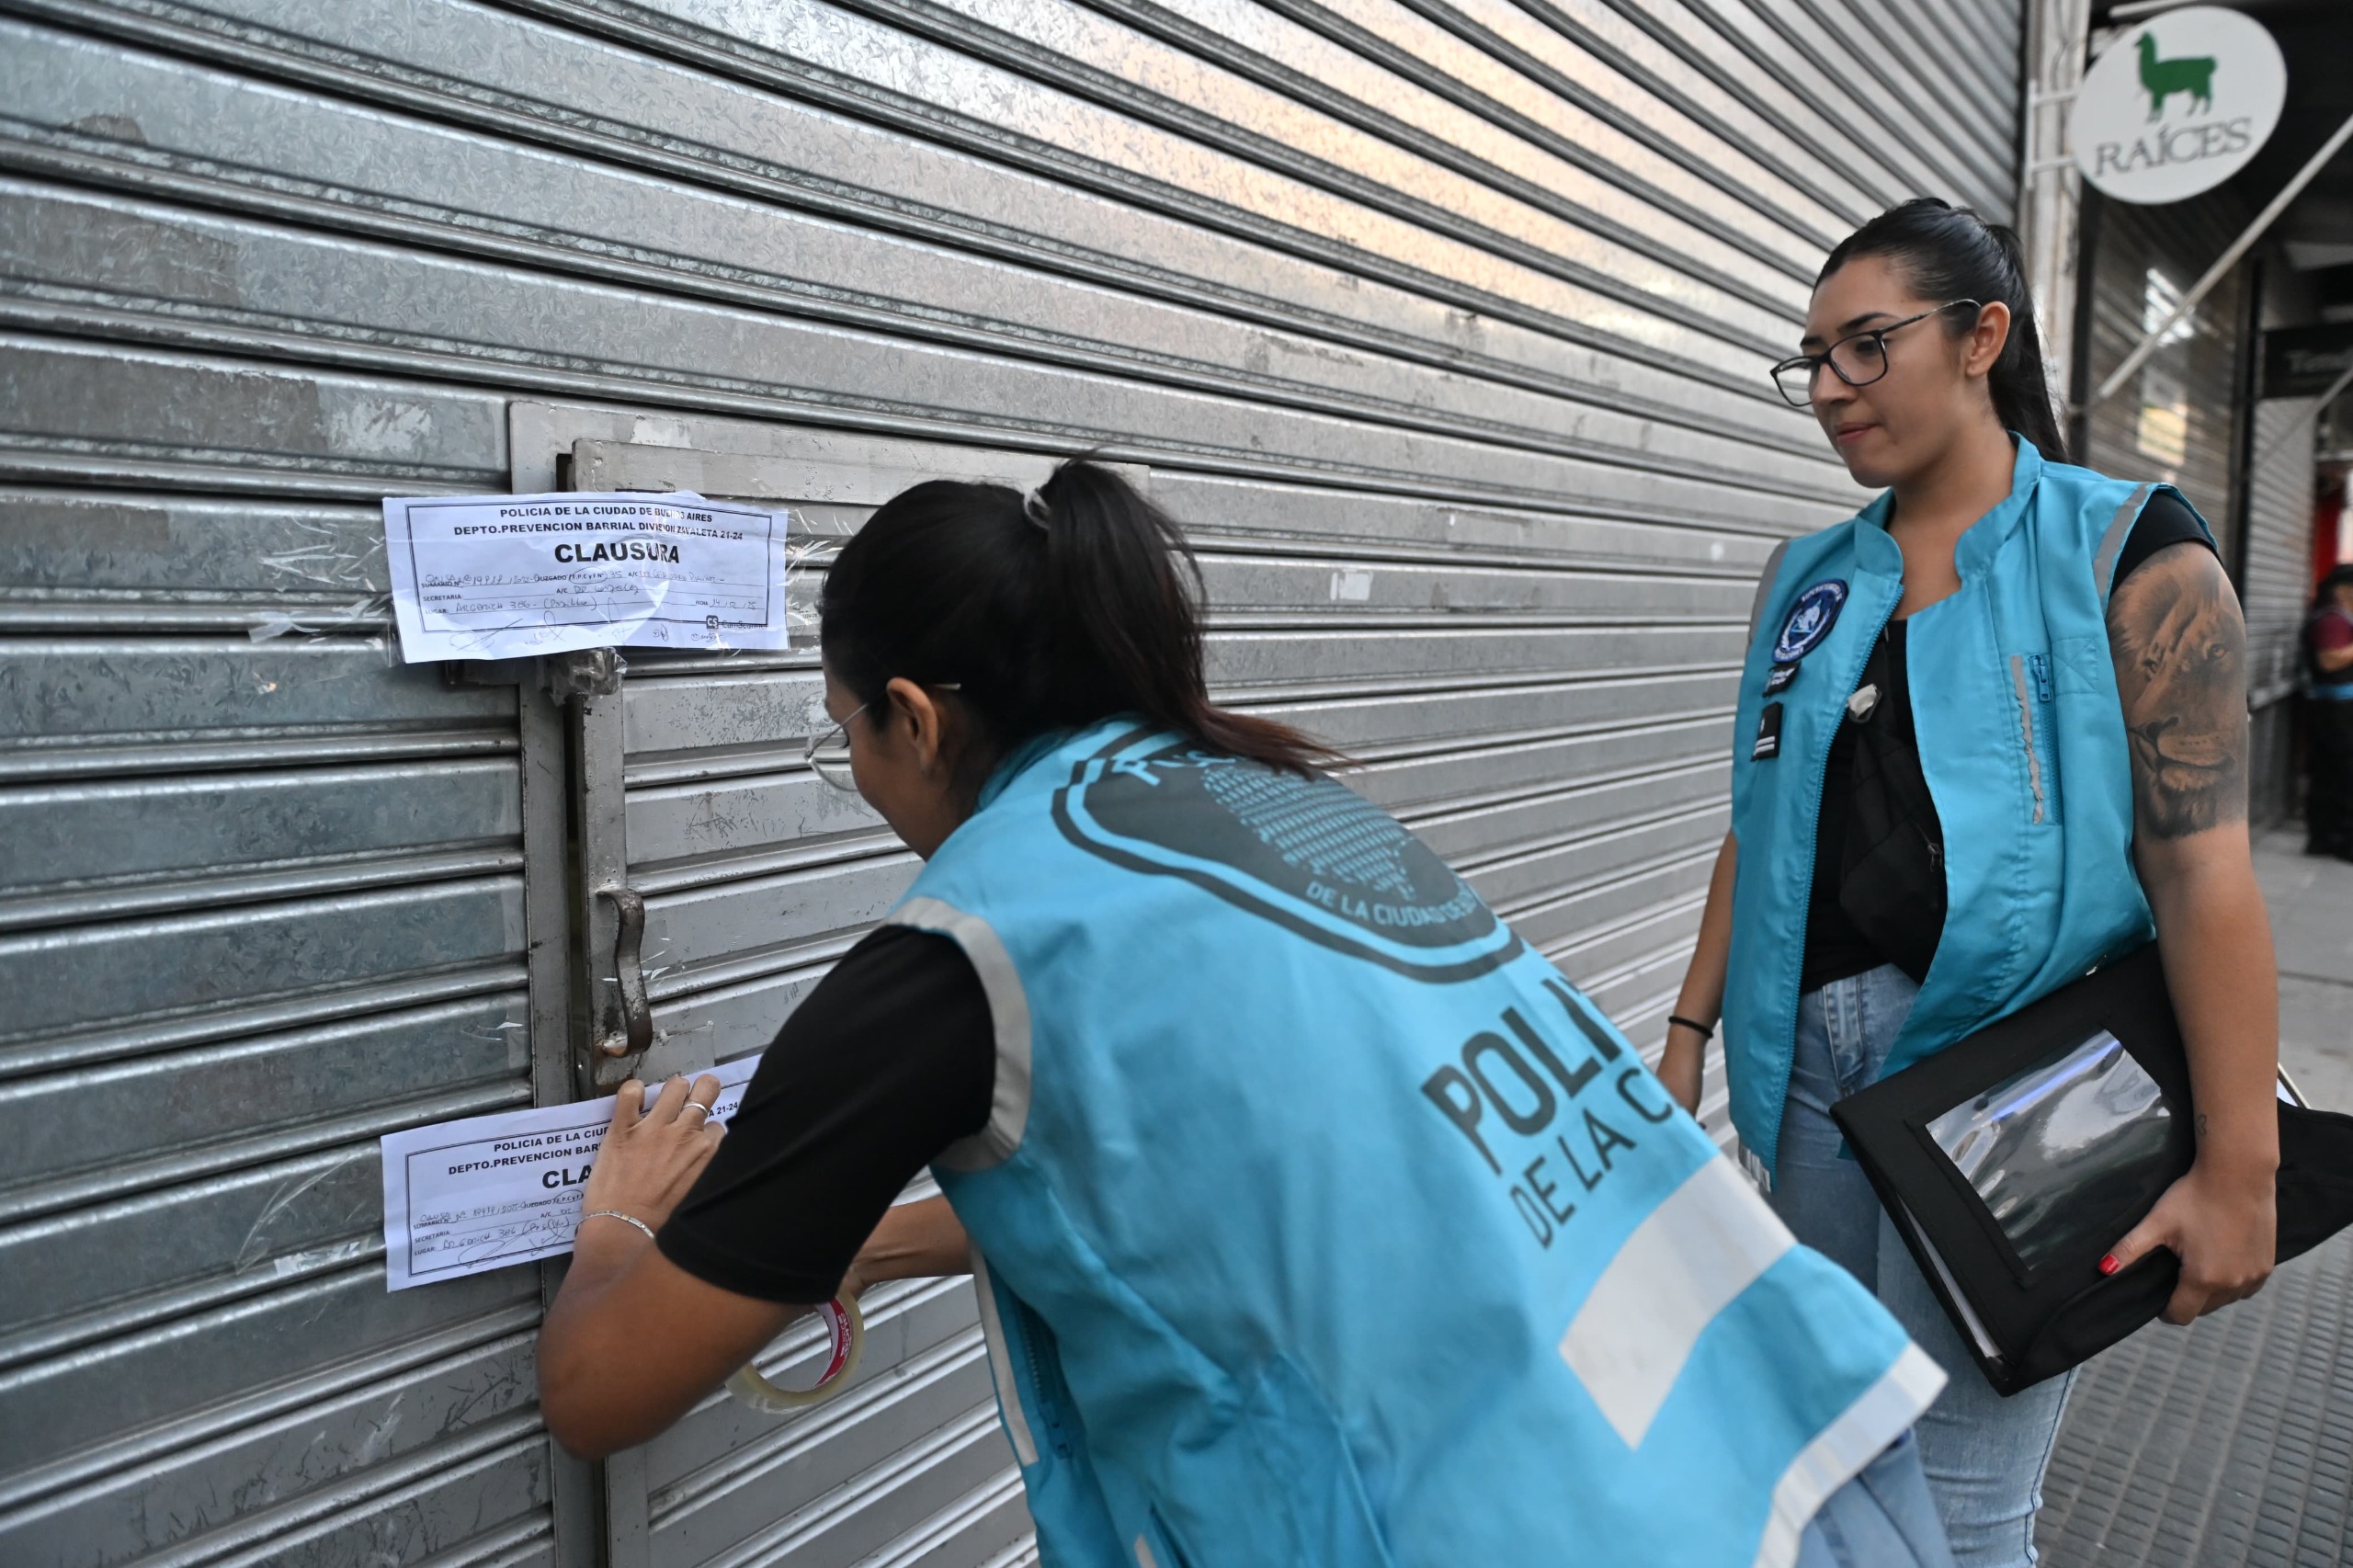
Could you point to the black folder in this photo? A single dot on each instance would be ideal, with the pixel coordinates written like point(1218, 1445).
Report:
point(2013, 1161)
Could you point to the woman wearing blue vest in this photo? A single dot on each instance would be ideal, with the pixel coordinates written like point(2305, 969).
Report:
point(1992, 730)
point(1314, 1219)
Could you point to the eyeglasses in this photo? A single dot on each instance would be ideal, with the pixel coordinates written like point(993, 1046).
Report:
point(827, 752)
point(1859, 360)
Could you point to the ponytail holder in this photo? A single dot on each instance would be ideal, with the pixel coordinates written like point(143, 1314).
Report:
point(1033, 506)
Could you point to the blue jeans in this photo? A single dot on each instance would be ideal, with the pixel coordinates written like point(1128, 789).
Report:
point(1984, 1455)
point(1885, 1517)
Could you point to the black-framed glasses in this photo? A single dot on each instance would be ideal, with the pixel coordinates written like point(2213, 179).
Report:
point(1858, 360)
point(827, 752)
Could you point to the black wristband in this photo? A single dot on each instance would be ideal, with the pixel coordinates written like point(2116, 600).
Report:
point(1706, 1034)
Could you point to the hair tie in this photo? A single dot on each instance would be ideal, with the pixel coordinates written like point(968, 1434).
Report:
point(1033, 506)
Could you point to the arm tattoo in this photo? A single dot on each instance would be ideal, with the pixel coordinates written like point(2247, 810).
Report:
point(2179, 643)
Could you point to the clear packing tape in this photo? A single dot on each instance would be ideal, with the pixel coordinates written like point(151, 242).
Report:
point(847, 1326)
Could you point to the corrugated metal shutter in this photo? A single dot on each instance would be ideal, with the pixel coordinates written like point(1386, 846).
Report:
point(1443, 324)
point(260, 901)
point(2275, 590)
point(2175, 421)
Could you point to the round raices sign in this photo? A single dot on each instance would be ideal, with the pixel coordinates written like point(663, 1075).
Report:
point(2177, 105)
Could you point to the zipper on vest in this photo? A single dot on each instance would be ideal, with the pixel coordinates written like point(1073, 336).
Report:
point(1013, 1400)
point(2025, 728)
point(1045, 1377)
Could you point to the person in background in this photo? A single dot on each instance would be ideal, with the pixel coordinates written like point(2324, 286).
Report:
point(2328, 734)
point(1992, 730)
point(1314, 1219)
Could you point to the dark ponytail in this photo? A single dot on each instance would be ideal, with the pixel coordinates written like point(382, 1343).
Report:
point(1073, 603)
point(1949, 253)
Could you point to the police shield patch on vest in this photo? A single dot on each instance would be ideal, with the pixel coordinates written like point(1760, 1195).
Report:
point(1810, 621)
point(1309, 854)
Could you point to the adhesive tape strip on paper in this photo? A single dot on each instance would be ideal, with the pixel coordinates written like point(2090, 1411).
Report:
point(848, 1326)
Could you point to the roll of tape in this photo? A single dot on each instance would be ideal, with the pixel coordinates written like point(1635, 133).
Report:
point(847, 1327)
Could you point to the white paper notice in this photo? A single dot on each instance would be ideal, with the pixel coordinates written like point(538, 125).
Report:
point(507, 576)
point(467, 1196)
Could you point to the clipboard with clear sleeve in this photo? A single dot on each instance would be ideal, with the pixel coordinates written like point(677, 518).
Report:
point(2013, 1161)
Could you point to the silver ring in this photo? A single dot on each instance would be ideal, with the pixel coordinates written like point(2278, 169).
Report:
point(696, 1105)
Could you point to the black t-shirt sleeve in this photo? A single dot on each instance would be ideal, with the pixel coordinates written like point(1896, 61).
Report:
point(889, 1060)
point(2165, 519)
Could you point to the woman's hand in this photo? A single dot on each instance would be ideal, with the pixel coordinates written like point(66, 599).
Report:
point(633, 1340)
point(1680, 1066)
point(2221, 1223)
point(651, 1156)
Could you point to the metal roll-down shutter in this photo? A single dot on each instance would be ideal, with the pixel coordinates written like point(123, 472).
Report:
point(2175, 421)
point(1443, 326)
point(2276, 589)
point(260, 901)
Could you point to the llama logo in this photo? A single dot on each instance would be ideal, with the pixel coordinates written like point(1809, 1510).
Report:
point(2177, 105)
point(2160, 79)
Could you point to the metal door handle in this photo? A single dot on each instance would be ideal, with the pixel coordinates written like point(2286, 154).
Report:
point(637, 1015)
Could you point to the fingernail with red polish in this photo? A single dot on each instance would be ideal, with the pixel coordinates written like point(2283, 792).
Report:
point(2108, 1265)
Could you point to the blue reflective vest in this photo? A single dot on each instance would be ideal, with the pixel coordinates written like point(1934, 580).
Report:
point(1318, 1221)
point(2021, 737)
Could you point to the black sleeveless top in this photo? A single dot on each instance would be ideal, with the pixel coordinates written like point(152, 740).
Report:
point(1885, 861)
